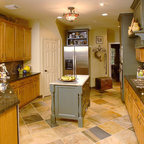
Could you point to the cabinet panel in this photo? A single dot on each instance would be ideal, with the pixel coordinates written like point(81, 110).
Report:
point(27, 89)
point(8, 127)
point(26, 93)
point(19, 43)
point(27, 44)
point(9, 44)
point(66, 101)
point(1, 41)
point(140, 54)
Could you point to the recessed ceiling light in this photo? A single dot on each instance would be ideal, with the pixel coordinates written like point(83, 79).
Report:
point(104, 14)
point(101, 4)
point(12, 6)
point(59, 17)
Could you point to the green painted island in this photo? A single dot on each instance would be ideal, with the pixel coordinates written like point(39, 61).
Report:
point(70, 100)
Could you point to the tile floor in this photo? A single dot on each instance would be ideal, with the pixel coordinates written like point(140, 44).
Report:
point(106, 122)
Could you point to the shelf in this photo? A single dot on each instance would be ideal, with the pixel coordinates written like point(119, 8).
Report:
point(77, 38)
point(137, 33)
point(79, 45)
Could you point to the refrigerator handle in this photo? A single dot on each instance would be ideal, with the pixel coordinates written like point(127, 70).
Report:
point(75, 66)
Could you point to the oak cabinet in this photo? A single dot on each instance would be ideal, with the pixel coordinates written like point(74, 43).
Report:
point(27, 89)
point(15, 42)
point(27, 44)
point(140, 54)
point(135, 109)
point(1, 41)
point(9, 126)
point(19, 43)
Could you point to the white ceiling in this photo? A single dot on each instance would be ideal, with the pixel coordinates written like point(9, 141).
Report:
point(90, 11)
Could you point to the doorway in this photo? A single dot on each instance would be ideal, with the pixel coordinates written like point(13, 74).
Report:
point(115, 61)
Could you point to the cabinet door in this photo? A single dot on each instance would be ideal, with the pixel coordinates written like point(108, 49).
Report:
point(26, 93)
point(1, 41)
point(140, 54)
point(66, 101)
point(8, 127)
point(141, 130)
point(19, 43)
point(36, 86)
point(9, 44)
point(27, 44)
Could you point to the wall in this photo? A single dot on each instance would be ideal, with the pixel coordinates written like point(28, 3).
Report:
point(46, 29)
point(97, 68)
point(113, 35)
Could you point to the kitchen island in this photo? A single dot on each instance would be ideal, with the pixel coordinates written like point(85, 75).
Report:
point(70, 100)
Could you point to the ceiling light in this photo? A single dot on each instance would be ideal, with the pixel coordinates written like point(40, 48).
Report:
point(104, 14)
point(71, 16)
point(101, 4)
point(59, 17)
point(12, 6)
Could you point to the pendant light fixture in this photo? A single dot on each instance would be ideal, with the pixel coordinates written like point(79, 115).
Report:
point(71, 16)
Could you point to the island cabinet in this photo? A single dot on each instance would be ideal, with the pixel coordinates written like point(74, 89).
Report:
point(70, 100)
point(9, 126)
point(135, 109)
point(27, 89)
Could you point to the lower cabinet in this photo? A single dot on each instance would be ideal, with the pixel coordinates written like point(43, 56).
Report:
point(9, 126)
point(135, 109)
point(140, 54)
point(26, 89)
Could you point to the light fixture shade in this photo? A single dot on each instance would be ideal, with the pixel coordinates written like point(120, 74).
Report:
point(71, 16)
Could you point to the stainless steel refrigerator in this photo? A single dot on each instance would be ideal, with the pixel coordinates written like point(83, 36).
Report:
point(76, 60)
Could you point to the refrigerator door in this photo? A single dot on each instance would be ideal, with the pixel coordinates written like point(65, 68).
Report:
point(81, 60)
point(68, 60)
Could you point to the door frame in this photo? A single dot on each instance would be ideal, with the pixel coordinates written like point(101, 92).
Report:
point(110, 56)
point(41, 59)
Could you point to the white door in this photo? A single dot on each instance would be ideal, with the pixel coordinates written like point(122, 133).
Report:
point(51, 64)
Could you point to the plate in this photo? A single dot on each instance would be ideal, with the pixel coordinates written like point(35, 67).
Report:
point(67, 80)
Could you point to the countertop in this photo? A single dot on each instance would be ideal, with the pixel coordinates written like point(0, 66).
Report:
point(138, 91)
point(8, 99)
point(80, 80)
point(14, 78)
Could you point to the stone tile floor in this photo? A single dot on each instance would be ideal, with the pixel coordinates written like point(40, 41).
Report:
point(106, 122)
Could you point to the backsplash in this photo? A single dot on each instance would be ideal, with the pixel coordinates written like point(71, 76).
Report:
point(12, 67)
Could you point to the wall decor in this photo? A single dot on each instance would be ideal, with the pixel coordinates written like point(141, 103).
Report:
point(99, 39)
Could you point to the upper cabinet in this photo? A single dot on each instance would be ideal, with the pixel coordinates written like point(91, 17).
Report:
point(15, 42)
point(27, 44)
point(77, 37)
point(19, 43)
point(9, 42)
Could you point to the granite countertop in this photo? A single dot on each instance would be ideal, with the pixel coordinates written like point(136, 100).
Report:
point(14, 78)
point(80, 80)
point(8, 99)
point(138, 91)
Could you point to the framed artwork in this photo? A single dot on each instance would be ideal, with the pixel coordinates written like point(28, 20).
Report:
point(99, 39)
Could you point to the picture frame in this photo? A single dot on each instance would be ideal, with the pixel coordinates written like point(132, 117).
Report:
point(99, 39)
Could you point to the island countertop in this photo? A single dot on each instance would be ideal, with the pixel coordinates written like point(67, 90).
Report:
point(80, 81)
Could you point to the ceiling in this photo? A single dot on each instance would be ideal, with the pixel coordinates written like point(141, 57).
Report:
point(90, 11)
